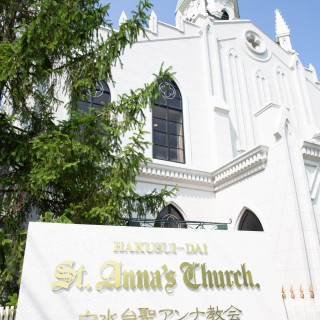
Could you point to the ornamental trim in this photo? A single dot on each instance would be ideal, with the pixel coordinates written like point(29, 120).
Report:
point(241, 167)
point(311, 151)
point(176, 174)
point(237, 169)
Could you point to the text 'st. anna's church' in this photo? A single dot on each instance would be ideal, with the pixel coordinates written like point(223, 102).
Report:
point(238, 132)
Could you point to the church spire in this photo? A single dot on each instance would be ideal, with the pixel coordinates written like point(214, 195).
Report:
point(282, 32)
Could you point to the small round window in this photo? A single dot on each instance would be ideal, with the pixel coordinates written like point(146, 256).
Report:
point(254, 42)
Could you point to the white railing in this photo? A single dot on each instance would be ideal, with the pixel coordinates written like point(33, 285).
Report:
point(7, 313)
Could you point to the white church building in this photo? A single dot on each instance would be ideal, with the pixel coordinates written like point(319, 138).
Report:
point(239, 132)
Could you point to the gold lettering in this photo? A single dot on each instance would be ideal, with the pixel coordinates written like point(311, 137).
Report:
point(126, 275)
point(205, 275)
point(228, 278)
point(138, 247)
point(80, 272)
point(170, 277)
point(205, 248)
point(190, 248)
point(218, 284)
point(147, 248)
point(189, 274)
point(129, 247)
point(236, 278)
point(155, 280)
point(117, 246)
point(143, 279)
point(247, 275)
point(115, 275)
point(164, 248)
point(198, 249)
point(157, 247)
point(63, 272)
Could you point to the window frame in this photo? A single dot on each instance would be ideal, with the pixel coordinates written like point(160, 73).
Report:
point(90, 103)
point(162, 103)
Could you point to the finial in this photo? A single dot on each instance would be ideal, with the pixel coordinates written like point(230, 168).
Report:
point(281, 26)
point(314, 72)
point(301, 292)
point(153, 22)
point(282, 32)
point(283, 293)
point(292, 292)
point(179, 21)
point(311, 292)
point(123, 18)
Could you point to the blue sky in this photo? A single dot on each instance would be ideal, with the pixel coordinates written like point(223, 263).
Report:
point(302, 17)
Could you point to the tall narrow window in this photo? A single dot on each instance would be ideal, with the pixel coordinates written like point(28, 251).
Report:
point(170, 218)
point(167, 124)
point(250, 222)
point(100, 97)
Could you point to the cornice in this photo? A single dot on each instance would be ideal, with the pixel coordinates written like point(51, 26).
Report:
point(166, 172)
point(311, 151)
point(239, 168)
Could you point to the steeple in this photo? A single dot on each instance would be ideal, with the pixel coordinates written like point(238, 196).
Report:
point(192, 10)
point(282, 32)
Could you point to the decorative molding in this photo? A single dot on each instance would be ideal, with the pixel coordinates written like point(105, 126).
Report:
point(241, 167)
point(266, 107)
point(166, 172)
point(311, 156)
point(311, 151)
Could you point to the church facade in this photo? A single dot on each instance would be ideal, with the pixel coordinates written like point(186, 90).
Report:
point(238, 132)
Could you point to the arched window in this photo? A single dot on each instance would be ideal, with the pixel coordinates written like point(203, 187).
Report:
point(170, 218)
point(98, 100)
point(225, 15)
point(167, 124)
point(250, 222)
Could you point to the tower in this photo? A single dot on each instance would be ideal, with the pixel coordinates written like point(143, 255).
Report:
point(193, 10)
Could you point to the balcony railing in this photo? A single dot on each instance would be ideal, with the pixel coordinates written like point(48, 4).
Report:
point(172, 222)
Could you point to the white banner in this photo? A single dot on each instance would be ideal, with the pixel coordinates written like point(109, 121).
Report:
point(81, 272)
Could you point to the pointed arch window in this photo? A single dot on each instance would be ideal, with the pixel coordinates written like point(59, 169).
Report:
point(170, 218)
point(250, 222)
point(167, 124)
point(225, 15)
point(100, 98)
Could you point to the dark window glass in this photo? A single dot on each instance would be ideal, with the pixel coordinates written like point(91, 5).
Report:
point(159, 125)
point(225, 15)
point(159, 112)
point(250, 222)
point(170, 218)
point(176, 155)
point(160, 138)
point(175, 141)
point(175, 115)
point(175, 128)
point(99, 99)
point(168, 124)
point(160, 152)
point(174, 103)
